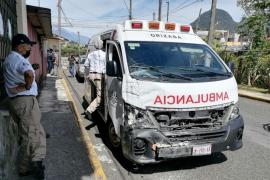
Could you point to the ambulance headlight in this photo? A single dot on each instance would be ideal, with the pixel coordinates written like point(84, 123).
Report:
point(235, 112)
point(136, 117)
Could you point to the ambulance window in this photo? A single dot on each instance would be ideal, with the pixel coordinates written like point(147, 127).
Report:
point(114, 56)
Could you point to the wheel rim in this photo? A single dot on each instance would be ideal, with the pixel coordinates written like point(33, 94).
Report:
point(115, 140)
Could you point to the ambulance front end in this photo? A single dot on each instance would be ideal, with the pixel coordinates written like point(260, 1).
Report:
point(179, 98)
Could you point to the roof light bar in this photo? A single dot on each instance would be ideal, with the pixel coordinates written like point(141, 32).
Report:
point(137, 25)
point(170, 26)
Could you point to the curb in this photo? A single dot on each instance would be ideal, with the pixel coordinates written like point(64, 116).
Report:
point(254, 97)
point(92, 156)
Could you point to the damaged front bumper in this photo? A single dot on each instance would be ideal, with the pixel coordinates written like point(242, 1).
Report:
point(143, 146)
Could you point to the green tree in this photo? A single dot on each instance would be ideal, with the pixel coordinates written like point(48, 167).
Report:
point(255, 62)
point(72, 48)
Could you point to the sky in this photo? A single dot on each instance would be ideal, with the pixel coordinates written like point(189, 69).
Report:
point(92, 16)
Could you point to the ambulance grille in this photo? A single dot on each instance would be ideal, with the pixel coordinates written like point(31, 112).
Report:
point(212, 119)
point(197, 137)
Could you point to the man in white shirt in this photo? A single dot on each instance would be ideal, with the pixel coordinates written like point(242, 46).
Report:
point(96, 64)
point(21, 88)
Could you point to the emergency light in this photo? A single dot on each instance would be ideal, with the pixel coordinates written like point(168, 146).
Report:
point(153, 25)
point(170, 26)
point(185, 28)
point(136, 25)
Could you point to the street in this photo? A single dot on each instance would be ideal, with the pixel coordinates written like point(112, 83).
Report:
point(252, 161)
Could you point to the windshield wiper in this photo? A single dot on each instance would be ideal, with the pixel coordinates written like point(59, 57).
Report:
point(212, 72)
point(172, 75)
point(165, 74)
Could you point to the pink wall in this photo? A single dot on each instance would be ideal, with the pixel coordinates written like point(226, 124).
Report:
point(37, 54)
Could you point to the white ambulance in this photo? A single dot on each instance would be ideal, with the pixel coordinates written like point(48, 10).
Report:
point(166, 93)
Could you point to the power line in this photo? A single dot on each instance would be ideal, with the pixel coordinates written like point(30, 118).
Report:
point(67, 20)
point(86, 20)
point(88, 12)
point(92, 21)
point(180, 5)
point(126, 5)
point(78, 7)
point(183, 7)
point(96, 26)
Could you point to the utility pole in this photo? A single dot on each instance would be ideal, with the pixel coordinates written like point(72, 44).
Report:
point(38, 3)
point(79, 43)
point(212, 22)
point(168, 9)
point(59, 31)
point(159, 9)
point(130, 9)
point(154, 16)
point(198, 22)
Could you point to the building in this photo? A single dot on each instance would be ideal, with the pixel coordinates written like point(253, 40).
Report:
point(17, 17)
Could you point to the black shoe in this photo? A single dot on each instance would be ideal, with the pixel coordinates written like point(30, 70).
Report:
point(38, 170)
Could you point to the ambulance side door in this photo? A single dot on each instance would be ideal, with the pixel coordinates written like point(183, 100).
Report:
point(113, 84)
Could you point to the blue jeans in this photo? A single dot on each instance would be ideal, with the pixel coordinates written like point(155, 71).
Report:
point(71, 70)
point(50, 66)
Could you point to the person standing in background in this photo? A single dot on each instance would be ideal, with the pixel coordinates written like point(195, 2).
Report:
point(54, 64)
point(71, 61)
point(50, 60)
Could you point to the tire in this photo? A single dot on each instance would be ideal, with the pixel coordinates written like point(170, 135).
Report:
point(113, 140)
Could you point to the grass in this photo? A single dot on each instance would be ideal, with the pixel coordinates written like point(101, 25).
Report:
point(254, 89)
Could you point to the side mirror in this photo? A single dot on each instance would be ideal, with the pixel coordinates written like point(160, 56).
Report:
point(111, 68)
point(230, 64)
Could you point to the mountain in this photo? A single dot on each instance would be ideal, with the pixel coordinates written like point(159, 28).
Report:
point(223, 21)
point(71, 36)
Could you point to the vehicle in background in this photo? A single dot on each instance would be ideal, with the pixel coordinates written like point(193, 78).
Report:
point(79, 67)
point(166, 94)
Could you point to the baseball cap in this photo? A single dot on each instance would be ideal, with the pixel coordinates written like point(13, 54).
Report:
point(21, 39)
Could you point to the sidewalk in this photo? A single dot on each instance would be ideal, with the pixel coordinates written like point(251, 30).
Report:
point(67, 157)
point(254, 95)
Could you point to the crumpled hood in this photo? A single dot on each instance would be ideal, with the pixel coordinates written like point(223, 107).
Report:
point(145, 94)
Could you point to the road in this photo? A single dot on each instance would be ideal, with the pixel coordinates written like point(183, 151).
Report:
point(252, 161)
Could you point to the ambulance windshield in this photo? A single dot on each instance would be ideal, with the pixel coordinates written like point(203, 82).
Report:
point(171, 61)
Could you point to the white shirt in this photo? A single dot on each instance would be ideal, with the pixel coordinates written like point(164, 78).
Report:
point(15, 65)
point(96, 61)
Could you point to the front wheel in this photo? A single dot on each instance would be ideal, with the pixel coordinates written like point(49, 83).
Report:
point(114, 140)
